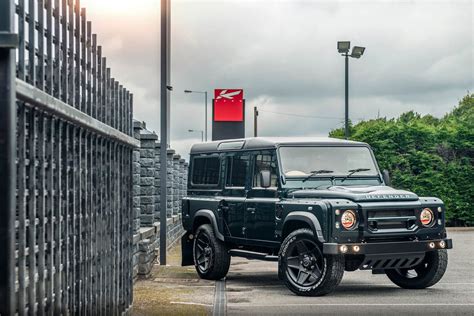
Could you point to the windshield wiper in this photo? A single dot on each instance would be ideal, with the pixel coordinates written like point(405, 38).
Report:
point(352, 171)
point(316, 172)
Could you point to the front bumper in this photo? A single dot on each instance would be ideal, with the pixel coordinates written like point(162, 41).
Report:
point(387, 248)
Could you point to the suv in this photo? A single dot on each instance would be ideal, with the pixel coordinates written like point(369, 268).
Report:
point(317, 206)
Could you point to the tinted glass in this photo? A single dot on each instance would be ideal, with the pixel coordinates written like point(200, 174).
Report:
point(237, 168)
point(301, 161)
point(265, 162)
point(206, 170)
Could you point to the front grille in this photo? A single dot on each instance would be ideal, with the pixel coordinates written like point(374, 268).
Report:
point(379, 220)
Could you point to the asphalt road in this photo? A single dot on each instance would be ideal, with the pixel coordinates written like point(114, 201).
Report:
point(253, 288)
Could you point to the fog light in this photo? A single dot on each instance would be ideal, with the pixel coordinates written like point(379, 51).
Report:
point(338, 212)
point(432, 245)
point(337, 225)
point(442, 244)
point(356, 248)
point(343, 248)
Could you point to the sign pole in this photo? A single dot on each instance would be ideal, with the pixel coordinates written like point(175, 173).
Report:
point(164, 120)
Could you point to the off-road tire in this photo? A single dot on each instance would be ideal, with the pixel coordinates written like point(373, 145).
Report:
point(331, 275)
point(219, 262)
point(437, 261)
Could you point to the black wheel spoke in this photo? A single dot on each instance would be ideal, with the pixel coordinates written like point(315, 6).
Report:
point(316, 272)
point(301, 247)
point(293, 262)
point(302, 277)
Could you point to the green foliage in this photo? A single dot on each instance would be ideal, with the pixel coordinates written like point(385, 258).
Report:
point(427, 155)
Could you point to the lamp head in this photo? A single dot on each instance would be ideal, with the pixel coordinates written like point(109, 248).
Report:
point(343, 47)
point(357, 51)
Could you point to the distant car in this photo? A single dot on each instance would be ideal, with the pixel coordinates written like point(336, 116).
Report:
point(317, 206)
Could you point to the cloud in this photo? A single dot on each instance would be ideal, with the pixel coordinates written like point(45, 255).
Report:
point(419, 57)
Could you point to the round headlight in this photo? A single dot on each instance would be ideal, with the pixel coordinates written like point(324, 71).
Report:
point(427, 217)
point(349, 220)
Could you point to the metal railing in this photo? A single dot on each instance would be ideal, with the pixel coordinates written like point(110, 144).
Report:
point(72, 229)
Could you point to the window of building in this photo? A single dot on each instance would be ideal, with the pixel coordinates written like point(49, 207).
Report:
point(237, 168)
point(206, 170)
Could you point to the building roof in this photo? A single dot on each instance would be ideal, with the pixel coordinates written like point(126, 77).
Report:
point(268, 143)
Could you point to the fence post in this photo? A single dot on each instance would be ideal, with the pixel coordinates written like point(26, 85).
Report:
point(8, 43)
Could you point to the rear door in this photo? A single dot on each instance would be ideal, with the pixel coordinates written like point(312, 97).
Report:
point(236, 174)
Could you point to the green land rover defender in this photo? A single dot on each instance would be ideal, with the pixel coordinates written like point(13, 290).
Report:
point(317, 206)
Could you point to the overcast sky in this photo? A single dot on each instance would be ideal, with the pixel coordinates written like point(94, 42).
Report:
point(283, 54)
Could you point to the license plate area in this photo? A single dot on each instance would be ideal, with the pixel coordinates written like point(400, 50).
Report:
point(391, 220)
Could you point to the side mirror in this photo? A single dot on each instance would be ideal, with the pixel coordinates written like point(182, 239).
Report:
point(265, 178)
point(386, 177)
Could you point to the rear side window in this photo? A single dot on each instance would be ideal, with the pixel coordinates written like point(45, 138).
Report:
point(237, 168)
point(206, 170)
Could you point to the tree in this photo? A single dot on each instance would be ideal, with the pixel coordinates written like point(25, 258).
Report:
point(427, 155)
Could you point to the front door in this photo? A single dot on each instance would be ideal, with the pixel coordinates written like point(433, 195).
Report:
point(236, 175)
point(260, 203)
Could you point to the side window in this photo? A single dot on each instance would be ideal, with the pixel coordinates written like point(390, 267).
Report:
point(237, 168)
point(206, 170)
point(265, 161)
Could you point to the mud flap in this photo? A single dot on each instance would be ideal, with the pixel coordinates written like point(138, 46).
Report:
point(187, 250)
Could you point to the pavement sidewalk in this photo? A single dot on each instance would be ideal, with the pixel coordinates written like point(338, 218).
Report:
point(173, 290)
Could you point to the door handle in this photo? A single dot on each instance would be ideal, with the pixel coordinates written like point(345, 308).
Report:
point(251, 210)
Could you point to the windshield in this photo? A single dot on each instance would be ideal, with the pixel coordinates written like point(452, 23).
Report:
point(301, 162)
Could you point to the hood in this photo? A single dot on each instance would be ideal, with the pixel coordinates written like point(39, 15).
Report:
point(358, 193)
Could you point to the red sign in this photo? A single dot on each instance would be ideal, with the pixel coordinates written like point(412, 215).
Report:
point(228, 105)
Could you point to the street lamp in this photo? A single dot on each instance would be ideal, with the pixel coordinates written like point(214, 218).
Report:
point(357, 52)
point(197, 131)
point(205, 111)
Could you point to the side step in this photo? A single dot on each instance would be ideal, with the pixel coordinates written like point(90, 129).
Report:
point(252, 255)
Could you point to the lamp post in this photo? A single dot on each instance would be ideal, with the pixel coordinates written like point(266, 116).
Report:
point(205, 109)
point(197, 131)
point(343, 48)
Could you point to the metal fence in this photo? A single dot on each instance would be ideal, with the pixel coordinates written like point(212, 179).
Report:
point(72, 234)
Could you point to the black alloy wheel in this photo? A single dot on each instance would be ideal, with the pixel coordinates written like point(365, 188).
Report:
point(211, 257)
point(304, 268)
point(204, 253)
point(305, 263)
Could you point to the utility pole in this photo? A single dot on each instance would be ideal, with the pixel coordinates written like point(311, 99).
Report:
point(255, 122)
point(165, 120)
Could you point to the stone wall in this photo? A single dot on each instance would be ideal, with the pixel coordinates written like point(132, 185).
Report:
point(146, 198)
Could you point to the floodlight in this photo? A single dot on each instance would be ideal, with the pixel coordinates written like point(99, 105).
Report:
point(343, 47)
point(357, 51)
